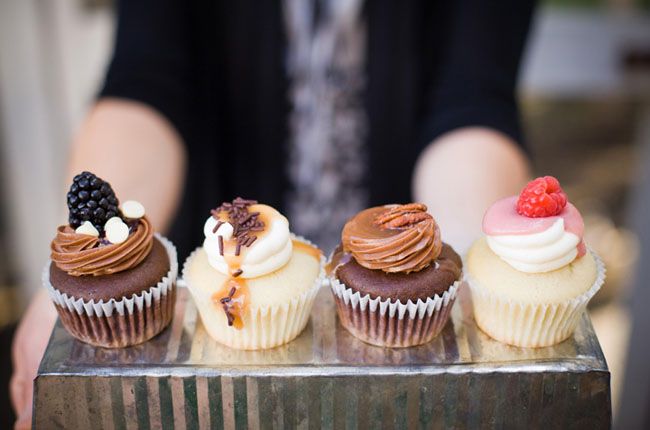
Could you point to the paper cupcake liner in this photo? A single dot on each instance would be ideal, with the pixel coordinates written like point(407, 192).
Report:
point(265, 326)
point(122, 322)
point(384, 322)
point(530, 324)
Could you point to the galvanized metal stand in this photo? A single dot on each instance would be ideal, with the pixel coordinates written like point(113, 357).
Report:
point(324, 379)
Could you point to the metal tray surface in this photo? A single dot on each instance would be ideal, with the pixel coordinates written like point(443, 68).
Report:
point(325, 378)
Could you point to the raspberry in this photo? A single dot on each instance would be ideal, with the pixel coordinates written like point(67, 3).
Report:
point(91, 199)
point(542, 197)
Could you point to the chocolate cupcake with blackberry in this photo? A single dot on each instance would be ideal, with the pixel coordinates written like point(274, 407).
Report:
point(394, 280)
point(110, 276)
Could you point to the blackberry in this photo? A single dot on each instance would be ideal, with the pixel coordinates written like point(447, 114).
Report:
point(91, 199)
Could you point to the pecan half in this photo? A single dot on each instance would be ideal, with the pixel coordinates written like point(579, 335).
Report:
point(403, 216)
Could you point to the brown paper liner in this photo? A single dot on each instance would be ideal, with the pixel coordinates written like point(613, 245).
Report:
point(119, 331)
point(392, 324)
point(120, 322)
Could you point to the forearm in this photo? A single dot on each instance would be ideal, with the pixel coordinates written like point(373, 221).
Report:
point(461, 173)
point(137, 151)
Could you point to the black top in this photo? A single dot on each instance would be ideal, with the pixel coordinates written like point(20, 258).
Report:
point(216, 70)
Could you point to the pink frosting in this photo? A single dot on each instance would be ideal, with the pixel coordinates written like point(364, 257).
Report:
point(502, 219)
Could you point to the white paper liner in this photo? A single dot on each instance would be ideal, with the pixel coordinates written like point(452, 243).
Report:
point(264, 326)
point(125, 305)
point(365, 322)
point(530, 324)
point(394, 308)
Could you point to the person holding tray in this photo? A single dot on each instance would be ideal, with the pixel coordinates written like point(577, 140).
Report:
point(320, 108)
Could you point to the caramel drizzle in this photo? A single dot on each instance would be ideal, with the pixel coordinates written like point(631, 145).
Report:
point(233, 295)
point(307, 249)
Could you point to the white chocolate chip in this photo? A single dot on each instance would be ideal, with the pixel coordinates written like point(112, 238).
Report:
point(112, 220)
point(87, 228)
point(116, 232)
point(132, 209)
point(225, 230)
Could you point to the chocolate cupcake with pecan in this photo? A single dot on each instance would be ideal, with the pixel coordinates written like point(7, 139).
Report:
point(111, 277)
point(394, 280)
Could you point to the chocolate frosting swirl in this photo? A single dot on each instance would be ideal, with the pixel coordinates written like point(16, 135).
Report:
point(393, 238)
point(81, 254)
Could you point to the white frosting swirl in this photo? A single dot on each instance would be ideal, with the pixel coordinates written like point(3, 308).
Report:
point(268, 253)
point(538, 252)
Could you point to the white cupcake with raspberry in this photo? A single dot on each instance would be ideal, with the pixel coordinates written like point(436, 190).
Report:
point(532, 276)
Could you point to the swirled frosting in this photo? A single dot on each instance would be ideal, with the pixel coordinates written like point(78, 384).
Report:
point(270, 251)
point(393, 238)
point(80, 254)
point(534, 245)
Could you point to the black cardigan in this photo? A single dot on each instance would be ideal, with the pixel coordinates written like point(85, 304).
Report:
point(216, 70)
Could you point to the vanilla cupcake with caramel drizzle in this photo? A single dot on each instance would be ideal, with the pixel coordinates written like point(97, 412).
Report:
point(253, 282)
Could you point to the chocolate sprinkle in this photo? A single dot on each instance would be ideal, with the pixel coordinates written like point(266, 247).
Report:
point(216, 227)
point(237, 272)
point(231, 317)
point(244, 223)
point(220, 244)
point(226, 304)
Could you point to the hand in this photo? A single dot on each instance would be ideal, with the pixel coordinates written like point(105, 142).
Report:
point(28, 347)
point(461, 174)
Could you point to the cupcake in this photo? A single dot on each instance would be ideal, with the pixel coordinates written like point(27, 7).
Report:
point(254, 283)
point(112, 279)
point(532, 276)
point(394, 281)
